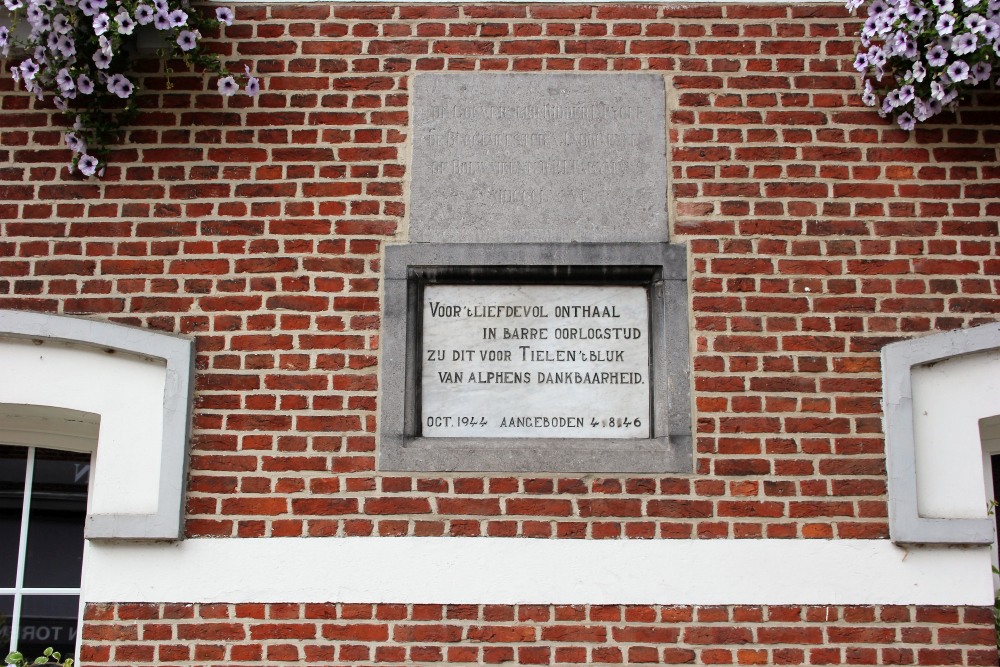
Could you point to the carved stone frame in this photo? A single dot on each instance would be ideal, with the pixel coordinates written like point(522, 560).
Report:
point(661, 267)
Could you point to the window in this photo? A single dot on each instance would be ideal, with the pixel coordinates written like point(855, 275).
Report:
point(43, 506)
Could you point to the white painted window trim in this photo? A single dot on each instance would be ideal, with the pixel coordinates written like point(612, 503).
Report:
point(31, 424)
point(906, 525)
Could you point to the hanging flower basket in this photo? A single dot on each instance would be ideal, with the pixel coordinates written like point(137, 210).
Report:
point(77, 58)
point(920, 57)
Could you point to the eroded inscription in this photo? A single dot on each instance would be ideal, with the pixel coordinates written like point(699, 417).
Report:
point(538, 157)
point(528, 361)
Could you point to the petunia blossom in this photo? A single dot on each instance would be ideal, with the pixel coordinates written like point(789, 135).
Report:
point(945, 24)
point(161, 21)
point(87, 165)
point(75, 143)
point(964, 43)
point(937, 56)
point(228, 86)
point(143, 14)
point(65, 80)
point(29, 68)
point(906, 121)
point(178, 17)
point(101, 23)
point(125, 23)
point(958, 71)
point(187, 40)
point(102, 60)
point(981, 71)
point(224, 15)
point(120, 86)
point(84, 84)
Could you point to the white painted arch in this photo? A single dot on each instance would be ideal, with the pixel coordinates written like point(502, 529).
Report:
point(121, 392)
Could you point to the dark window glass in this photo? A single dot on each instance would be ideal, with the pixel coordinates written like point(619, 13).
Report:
point(6, 615)
point(13, 461)
point(48, 620)
point(56, 516)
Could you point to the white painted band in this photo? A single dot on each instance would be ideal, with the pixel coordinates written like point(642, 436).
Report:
point(511, 570)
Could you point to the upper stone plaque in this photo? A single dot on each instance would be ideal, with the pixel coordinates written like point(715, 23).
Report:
point(536, 158)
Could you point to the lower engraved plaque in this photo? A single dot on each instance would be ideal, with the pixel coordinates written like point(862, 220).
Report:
point(535, 361)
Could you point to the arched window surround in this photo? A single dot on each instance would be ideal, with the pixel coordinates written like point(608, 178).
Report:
point(137, 385)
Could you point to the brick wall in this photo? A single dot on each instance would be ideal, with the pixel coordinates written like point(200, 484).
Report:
point(817, 234)
point(322, 634)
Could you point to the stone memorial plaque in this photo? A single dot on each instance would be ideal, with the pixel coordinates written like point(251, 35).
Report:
point(540, 157)
point(535, 361)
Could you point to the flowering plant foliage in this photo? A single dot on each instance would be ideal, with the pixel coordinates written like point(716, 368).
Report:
point(77, 53)
point(921, 56)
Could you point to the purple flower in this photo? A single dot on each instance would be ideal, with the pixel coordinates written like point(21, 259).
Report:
point(143, 14)
point(29, 68)
point(981, 71)
point(861, 62)
point(906, 93)
point(227, 86)
point(125, 23)
point(66, 46)
point(876, 56)
point(161, 5)
point(906, 121)
point(964, 43)
point(101, 23)
point(34, 14)
point(88, 7)
point(975, 23)
point(224, 15)
point(869, 97)
point(187, 40)
point(178, 17)
point(161, 21)
point(916, 14)
point(4, 35)
point(253, 86)
point(937, 56)
point(919, 72)
point(921, 110)
point(87, 165)
point(877, 7)
point(59, 103)
point(120, 86)
point(61, 24)
point(15, 73)
point(894, 99)
point(970, 3)
point(944, 5)
point(65, 80)
point(937, 91)
point(84, 84)
point(13, 4)
point(935, 107)
point(991, 30)
point(101, 59)
point(958, 71)
point(945, 24)
point(75, 143)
